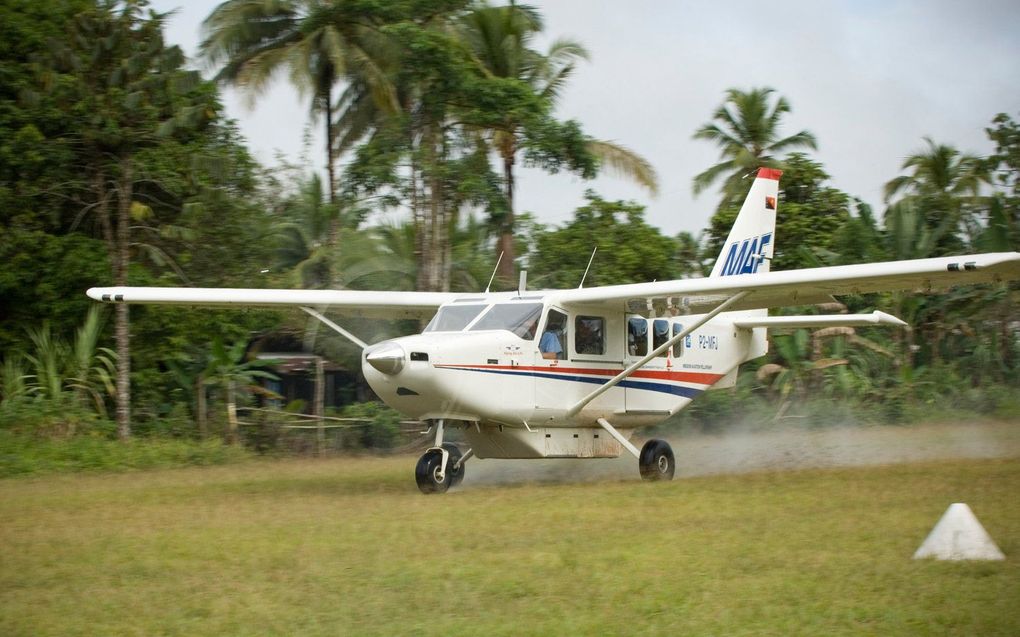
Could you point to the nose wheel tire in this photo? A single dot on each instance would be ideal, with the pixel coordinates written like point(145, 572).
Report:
point(456, 474)
point(430, 465)
point(657, 461)
point(426, 473)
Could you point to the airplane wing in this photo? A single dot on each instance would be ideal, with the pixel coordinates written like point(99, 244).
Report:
point(354, 303)
point(807, 286)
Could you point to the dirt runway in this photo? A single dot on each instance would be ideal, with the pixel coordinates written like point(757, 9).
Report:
point(781, 449)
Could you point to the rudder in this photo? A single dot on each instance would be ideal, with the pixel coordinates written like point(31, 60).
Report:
point(750, 244)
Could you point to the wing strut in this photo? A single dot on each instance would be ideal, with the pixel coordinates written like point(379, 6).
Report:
point(615, 380)
point(336, 328)
point(619, 437)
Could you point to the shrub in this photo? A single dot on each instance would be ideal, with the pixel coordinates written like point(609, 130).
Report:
point(381, 427)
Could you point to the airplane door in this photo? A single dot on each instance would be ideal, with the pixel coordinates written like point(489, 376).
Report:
point(550, 357)
point(644, 336)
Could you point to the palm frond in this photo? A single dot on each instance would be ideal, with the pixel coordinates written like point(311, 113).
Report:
point(625, 162)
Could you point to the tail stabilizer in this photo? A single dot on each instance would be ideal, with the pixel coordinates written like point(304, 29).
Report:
point(749, 246)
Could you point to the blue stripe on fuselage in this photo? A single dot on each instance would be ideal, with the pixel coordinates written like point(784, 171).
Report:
point(676, 390)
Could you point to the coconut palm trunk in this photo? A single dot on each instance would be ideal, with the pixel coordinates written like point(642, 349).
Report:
point(507, 267)
point(327, 107)
point(122, 327)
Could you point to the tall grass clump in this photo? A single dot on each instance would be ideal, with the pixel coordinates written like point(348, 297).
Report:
point(54, 413)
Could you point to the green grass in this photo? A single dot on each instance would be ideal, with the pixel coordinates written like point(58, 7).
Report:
point(27, 455)
point(348, 546)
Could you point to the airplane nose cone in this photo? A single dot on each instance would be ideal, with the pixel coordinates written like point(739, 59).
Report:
point(387, 358)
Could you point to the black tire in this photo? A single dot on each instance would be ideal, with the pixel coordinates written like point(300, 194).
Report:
point(425, 473)
point(456, 475)
point(657, 461)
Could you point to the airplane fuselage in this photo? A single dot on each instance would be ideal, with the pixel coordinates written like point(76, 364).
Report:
point(515, 399)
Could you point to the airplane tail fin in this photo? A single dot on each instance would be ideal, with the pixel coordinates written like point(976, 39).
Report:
point(749, 246)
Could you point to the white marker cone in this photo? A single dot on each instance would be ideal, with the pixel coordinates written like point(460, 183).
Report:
point(959, 536)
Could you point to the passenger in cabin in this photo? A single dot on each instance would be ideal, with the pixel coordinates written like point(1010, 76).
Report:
point(551, 344)
point(589, 336)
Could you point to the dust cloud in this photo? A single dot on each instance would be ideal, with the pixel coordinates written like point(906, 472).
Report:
point(776, 450)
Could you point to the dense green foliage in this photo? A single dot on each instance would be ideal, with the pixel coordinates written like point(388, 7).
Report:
point(118, 166)
point(629, 250)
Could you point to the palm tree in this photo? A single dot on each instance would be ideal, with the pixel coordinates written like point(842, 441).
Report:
point(303, 233)
point(942, 181)
point(937, 199)
point(746, 128)
point(316, 40)
point(129, 93)
point(499, 39)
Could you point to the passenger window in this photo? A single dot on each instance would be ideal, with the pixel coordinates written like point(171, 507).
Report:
point(589, 335)
point(678, 347)
point(637, 336)
point(660, 334)
point(554, 338)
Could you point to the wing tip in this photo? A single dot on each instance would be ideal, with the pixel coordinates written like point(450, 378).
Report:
point(889, 319)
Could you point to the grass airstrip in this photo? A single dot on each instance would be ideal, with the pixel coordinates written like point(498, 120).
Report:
point(349, 546)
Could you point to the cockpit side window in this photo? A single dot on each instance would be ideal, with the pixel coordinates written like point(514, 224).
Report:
point(519, 318)
point(453, 318)
point(554, 338)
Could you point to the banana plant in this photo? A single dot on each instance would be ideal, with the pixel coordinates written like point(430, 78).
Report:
point(799, 370)
point(229, 369)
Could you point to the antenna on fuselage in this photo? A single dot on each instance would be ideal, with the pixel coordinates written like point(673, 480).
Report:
point(522, 283)
point(585, 275)
point(494, 271)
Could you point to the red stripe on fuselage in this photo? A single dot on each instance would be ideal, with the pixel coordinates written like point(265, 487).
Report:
point(699, 378)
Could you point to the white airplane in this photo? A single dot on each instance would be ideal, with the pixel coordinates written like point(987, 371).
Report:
point(573, 373)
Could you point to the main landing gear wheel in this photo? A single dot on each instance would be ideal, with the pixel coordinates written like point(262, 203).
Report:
point(657, 461)
point(430, 465)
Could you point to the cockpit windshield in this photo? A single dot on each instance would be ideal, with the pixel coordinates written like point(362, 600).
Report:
point(453, 318)
point(519, 318)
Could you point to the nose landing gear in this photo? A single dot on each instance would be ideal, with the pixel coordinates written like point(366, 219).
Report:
point(441, 467)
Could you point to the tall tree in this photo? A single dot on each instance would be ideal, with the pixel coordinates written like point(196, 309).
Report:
point(125, 91)
point(500, 40)
point(303, 235)
point(746, 127)
point(629, 250)
point(30, 167)
point(945, 184)
point(430, 157)
point(315, 40)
